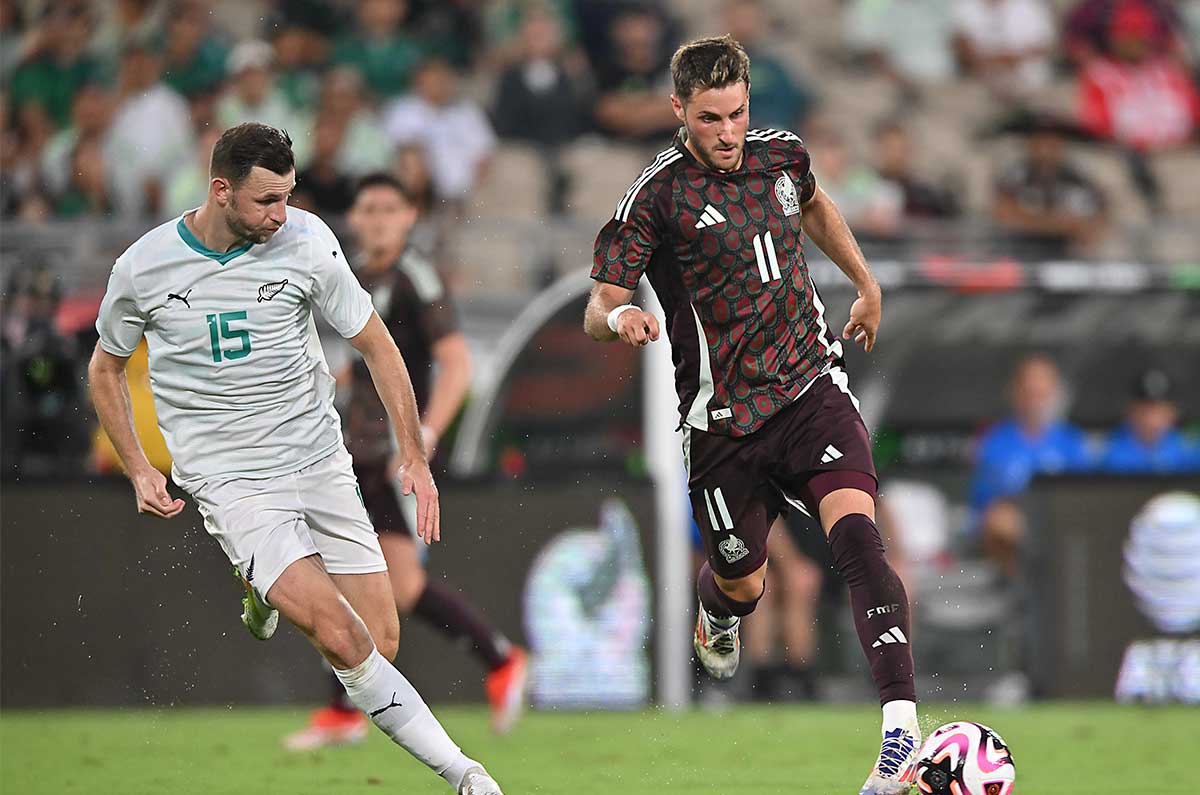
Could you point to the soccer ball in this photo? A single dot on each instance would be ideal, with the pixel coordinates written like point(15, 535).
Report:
point(965, 758)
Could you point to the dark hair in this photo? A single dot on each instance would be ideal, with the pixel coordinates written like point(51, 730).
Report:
point(382, 179)
point(241, 148)
point(713, 62)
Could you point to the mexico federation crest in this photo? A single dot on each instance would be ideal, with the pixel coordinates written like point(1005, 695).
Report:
point(785, 191)
point(733, 549)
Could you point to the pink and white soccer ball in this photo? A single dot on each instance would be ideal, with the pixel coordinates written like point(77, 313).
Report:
point(965, 758)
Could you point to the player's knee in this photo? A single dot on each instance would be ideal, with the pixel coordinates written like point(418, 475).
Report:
point(342, 636)
point(388, 641)
point(745, 589)
point(857, 549)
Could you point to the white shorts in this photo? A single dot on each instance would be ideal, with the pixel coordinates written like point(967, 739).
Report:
point(265, 525)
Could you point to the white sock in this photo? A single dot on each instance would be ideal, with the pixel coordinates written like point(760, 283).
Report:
point(721, 622)
point(899, 715)
point(381, 691)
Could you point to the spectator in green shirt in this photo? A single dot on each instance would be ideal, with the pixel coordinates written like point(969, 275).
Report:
point(194, 58)
point(53, 74)
point(379, 47)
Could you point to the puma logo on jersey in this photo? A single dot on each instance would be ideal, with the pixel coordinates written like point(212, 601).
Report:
point(270, 290)
point(183, 298)
point(710, 217)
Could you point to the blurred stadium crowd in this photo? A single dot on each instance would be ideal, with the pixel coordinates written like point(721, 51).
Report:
point(543, 108)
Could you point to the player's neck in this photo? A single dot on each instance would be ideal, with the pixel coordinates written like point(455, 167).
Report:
point(211, 230)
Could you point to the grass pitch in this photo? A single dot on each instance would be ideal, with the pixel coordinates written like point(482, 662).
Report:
point(1059, 750)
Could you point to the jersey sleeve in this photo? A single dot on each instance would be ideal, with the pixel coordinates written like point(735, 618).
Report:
point(120, 322)
point(344, 304)
point(436, 314)
point(626, 243)
point(788, 150)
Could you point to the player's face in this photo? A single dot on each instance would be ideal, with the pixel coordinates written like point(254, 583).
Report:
point(716, 120)
point(381, 218)
point(257, 208)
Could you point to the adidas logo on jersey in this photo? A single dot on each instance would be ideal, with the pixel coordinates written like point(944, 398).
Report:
point(893, 635)
point(831, 454)
point(710, 217)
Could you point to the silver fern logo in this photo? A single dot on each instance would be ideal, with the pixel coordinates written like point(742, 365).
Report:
point(270, 290)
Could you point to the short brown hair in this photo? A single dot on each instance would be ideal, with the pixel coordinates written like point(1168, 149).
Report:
point(713, 62)
point(241, 148)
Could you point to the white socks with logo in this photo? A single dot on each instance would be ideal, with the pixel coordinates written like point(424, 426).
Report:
point(381, 691)
point(899, 715)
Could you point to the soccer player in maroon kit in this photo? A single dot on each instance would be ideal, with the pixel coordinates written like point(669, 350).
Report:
point(716, 223)
point(417, 311)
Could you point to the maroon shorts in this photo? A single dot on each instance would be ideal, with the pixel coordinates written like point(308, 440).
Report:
point(739, 485)
point(380, 497)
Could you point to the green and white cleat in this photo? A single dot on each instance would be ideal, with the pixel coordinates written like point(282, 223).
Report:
point(260, 618)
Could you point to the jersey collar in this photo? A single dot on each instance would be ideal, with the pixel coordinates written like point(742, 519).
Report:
point(194, 244)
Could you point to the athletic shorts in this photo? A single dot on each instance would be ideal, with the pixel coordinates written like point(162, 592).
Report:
point(739, 485)
point(265, 525)
point(390, 511)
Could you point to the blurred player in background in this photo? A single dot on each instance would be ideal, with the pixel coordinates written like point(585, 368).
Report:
point(224, 296)
point(418, 313)
point(716, 223)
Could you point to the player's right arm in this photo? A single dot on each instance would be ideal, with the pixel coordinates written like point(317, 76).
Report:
point(622, 252)
point(120, 324)
point(635, 326)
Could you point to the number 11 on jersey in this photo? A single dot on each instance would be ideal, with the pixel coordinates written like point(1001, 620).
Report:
point(762, 242)
point(221, 323)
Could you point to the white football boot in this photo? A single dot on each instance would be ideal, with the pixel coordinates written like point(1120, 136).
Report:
point(896, 768)
point(478, 782)
point(717, 647)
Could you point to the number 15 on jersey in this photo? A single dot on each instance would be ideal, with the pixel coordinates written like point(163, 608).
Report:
point(218, 329)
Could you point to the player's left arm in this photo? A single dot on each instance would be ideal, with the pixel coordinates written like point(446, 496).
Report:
point(452, 358)
point(394, 385)
point(825, 226)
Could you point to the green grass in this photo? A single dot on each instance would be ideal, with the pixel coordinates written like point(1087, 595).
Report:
point(1059, 750)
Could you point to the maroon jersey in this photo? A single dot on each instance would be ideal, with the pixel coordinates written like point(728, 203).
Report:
point(417, 311)
point(724, 252)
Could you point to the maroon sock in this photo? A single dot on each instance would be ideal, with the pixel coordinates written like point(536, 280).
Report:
point(716, 602)
point(450, 612)
point(879, 603)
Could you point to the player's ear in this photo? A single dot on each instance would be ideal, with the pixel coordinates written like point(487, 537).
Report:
point(677, 106)
point(222, 189)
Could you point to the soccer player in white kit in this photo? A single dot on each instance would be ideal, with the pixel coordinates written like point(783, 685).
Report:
point(224, 296)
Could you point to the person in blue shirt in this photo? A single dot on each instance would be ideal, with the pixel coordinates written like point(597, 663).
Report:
point(1035, 440)
point(1149, 442)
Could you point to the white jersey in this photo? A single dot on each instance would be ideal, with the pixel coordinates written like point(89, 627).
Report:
point(240, 384)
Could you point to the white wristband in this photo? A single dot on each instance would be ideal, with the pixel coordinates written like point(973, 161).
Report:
point(616, 313)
